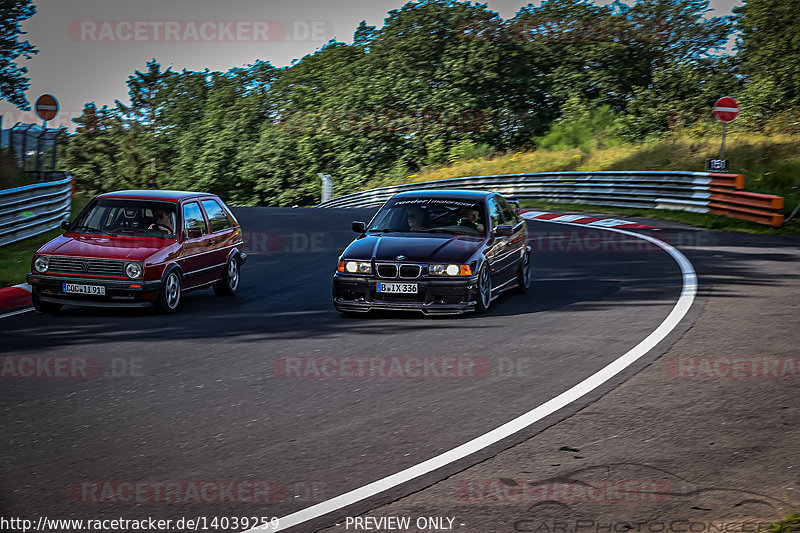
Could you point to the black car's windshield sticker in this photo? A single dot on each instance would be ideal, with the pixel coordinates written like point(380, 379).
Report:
point(434, 201)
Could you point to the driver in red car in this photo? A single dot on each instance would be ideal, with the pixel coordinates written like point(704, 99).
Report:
point(163, 221)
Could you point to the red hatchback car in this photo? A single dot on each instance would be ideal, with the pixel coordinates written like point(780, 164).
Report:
point(139, 248)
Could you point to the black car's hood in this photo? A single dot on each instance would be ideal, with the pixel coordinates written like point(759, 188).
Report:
point(416, 248)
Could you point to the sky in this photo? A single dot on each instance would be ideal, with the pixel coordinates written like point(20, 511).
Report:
point(88, 48)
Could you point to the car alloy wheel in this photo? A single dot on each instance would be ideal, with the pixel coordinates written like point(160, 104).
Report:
point(524, 273)
point(170, 296)
point(230, 282)
point(484, 290)
point(233, 274)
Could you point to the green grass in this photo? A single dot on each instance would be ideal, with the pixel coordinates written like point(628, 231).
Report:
point(787, 525)
point(15, 258)
point(770, 164)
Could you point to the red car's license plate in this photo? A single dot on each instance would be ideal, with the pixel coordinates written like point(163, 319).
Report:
point(73, 288)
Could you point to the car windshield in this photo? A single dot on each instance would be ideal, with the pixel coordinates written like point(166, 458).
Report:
point(430, 215)
point(127, 217)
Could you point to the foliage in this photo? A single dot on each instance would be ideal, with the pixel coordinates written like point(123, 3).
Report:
point(13, 82)
point(442, 82)
point(770, 51)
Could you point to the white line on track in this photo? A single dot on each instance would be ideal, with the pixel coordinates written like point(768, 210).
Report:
point(19, 312)
point(586, 386)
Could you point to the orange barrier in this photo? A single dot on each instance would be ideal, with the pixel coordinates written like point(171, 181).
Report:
point(732, 181)
point(746, 213)
point(747, 199)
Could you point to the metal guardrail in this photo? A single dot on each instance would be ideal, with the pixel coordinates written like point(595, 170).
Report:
point(33, 209)
point(681, 190)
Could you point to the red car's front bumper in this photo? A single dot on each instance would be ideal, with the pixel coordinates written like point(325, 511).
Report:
point(118, 293)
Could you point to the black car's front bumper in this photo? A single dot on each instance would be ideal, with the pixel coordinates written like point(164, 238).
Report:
point(118, 293)
point(434, 296)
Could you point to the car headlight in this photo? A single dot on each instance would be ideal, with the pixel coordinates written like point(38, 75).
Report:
point(41, 264)
point(133, 270)
point(449, 270)
point(355, 267)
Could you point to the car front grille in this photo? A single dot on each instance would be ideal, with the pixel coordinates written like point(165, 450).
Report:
point(387, 270)
point(87, 265)
point(392, 270)
point(410, 271)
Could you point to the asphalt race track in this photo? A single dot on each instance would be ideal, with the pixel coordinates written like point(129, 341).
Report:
point(200, 395)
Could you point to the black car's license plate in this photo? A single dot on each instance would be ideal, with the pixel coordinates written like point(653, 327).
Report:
point(401, 288)
point(74, 288)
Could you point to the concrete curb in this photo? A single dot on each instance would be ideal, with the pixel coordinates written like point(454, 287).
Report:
point(529, 214)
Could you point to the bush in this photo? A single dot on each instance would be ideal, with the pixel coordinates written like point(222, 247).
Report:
point(467, 150)
point(581, 127)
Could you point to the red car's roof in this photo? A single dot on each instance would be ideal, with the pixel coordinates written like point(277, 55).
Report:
point(154, 195)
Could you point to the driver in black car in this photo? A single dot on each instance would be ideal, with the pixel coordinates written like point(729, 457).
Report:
point(470, 218)
point(163, 221)
point(416, 218)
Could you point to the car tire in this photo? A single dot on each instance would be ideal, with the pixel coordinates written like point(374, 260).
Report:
point(524, 274)
point(229, 283)
point(43, 307)
point(484, 299)
point(169, 297)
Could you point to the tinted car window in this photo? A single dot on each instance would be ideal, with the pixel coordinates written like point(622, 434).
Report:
point(430, 214)
point(128, 216)
point(495, 213)
point(193, 217)
point(217, 218)
point(508, 213)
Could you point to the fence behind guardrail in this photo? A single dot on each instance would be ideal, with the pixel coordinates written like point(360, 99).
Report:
point(34, 209)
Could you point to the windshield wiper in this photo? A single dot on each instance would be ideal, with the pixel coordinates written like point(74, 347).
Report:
point(87, 229)
point(440, 230)
point(128, 230)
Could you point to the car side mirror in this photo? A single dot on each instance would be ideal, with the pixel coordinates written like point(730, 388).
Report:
point(194, 233)
point(514, 206)
point(65, 225)
point(359, 227)
point(503, 231)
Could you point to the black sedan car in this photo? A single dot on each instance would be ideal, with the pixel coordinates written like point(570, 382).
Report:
point(439, 252)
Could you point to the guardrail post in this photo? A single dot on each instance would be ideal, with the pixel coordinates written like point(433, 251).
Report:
point(327, 186)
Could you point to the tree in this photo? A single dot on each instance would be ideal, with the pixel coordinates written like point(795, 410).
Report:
point(769, 50)
point(13, 82)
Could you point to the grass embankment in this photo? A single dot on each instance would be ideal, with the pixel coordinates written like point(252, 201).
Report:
point(788, 525)
point(15, 258)
point(770, 163)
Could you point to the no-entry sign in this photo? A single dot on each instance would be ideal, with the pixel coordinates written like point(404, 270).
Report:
point(46, 107)
point(726, 109)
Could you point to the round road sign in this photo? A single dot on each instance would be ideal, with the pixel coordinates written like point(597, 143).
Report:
point(726, 109)
point(46, 107)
